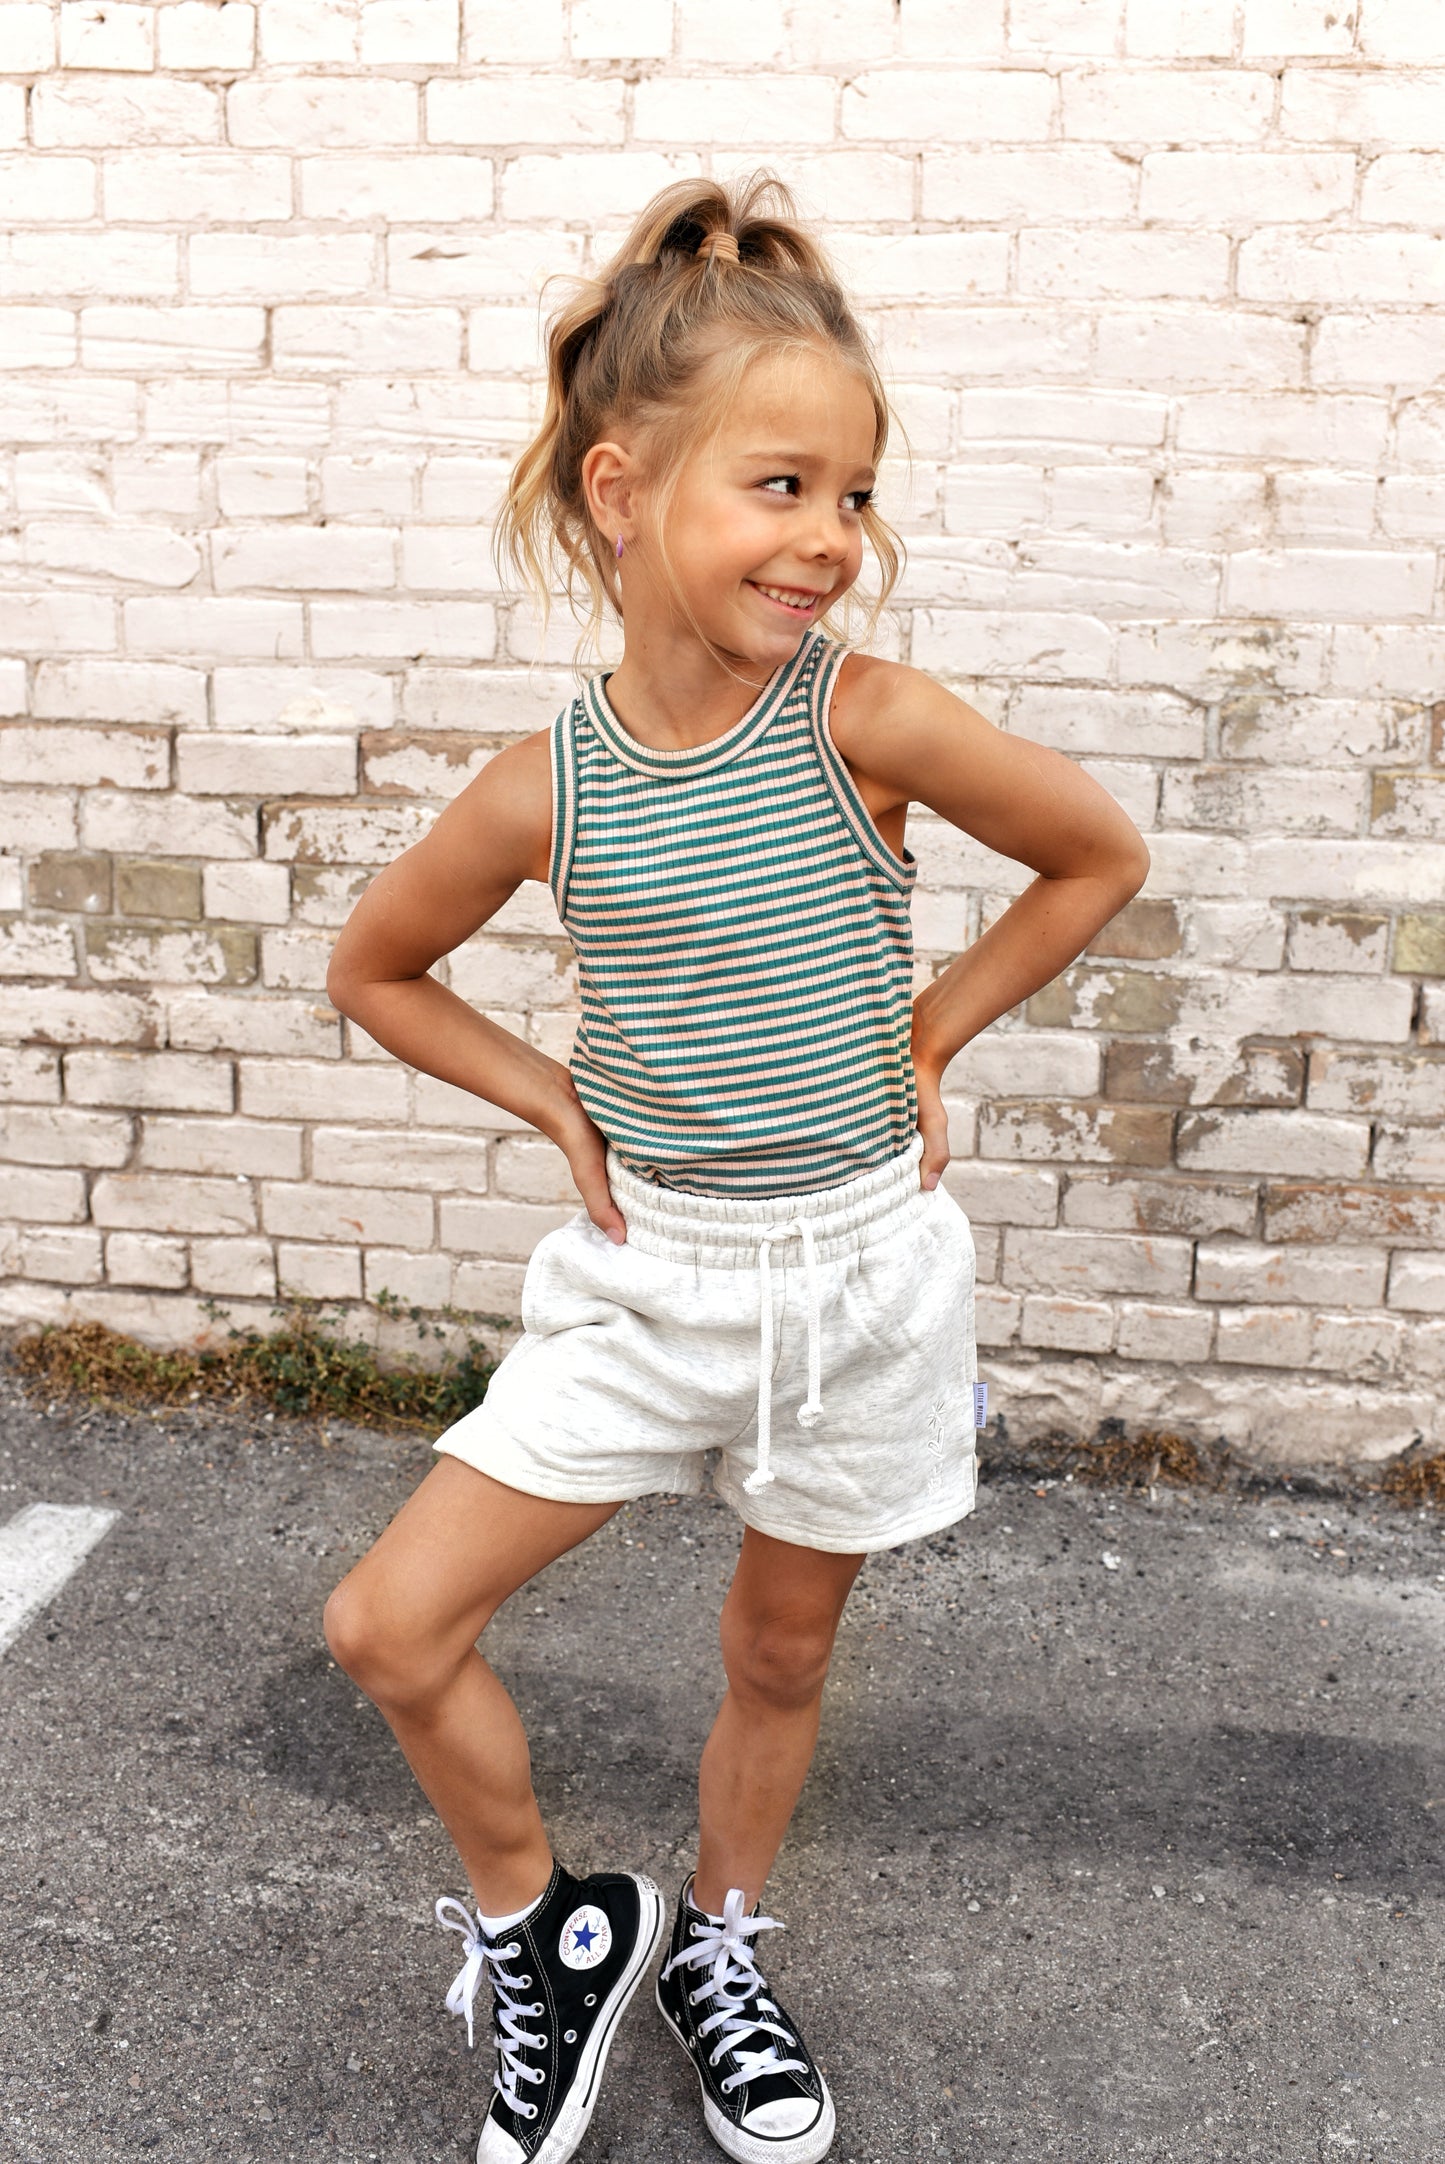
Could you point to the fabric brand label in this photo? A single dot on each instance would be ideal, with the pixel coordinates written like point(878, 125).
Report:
point(980, 1405)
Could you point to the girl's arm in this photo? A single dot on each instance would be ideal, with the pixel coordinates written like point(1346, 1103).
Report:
point(906, 739)
point(490, 838)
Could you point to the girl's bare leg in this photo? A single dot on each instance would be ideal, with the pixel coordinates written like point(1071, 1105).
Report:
point(778, 1625)
point(404, 1625)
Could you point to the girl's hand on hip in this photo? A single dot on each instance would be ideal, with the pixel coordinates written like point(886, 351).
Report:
point(586, 1149)
point(932, 1124)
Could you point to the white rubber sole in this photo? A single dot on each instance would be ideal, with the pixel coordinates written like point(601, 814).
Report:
point(576, 2115)
point(735, 2141)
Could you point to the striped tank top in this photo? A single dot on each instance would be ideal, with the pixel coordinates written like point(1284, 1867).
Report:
point(743, 942)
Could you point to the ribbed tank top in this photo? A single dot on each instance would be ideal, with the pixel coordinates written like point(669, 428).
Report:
point(743, 942)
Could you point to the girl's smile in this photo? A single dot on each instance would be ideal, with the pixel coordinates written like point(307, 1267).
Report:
point(798, 602)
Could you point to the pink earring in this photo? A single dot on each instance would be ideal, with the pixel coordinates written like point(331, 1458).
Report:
point(619, 548)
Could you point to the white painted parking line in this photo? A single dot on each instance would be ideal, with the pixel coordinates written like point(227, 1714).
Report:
point(40, 1548)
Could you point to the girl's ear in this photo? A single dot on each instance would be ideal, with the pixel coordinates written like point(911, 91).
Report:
point(608, 478)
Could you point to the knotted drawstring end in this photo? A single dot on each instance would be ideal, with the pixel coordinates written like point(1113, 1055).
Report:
point(810, 1413)
point(757, 1481)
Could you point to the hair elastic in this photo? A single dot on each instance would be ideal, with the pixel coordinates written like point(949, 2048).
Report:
point(720, 244)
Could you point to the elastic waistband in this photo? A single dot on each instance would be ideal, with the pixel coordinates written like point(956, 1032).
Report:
point(723, 1231)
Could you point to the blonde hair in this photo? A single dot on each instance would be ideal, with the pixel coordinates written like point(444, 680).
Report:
point(710, 278)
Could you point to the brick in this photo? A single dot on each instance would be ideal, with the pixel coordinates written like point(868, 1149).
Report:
point(120, 37)
point(1406, 1087)
point(422, 1280)
point(494, 974)
point(260, 1148)
point(1432, 1014)
point(943, 105)
point(955, 642)
point(29, 1077)
point(1185, 1206)
point(86, 758)
point(169, 825)
point(1030, 414)
point(1417, 1282)
point(613, 182)
point(325, 894)
point(1333, 731)
point(739, 109)
point(1229, 186)
point(80, 885)
point(1268, 1141)
point(1251, 799)
point(423, 764)
point(1288, 29)
point(294, 960)
point(1303, 265)
point(1081, 722)
point(1404, 188)
point(56, 1017)
point(1408, 805)
point(1366, 1345)
point(149, 1201)
point(996, 1315)
point(1026, 1063)
point(211, 1021)
point(309, 1090)
point(375, 1157)
point(372, 834)
point(1126, 1135)
point(1121, 497)
point(1193, 348)
point(1409, 1153)
point(1252, 1272)
point(1080, 262)
point(164, 1081)
point(1062, 1325)
point(36, 950)
point(1112, 999)
point(1182, 1336)
point(443, 1104)
point(248, 893)
point(155, 888)
point(1420, 944)
point(488, 1291)
point(507, 1231)
point(1371, 108)
point(240, 766)
point(1052, 184)
point(535, 1171)
point(1179, 29)
point(1339, 939)
point(244, 1268)
point(1390, 1216)
point(193, 34)
point(1083, 1263)
point(1329, 582)
point(318, 1273)
point(1142, 931)
point(341, 1214)
point(63, 1135)
point(37, 819)
point(131, 954)
point(1149, 106)
point(1114, 577)
point(62, 1257)
point(42, 1194)
point(1149, 1073)
point(512, 108)
point(1264, 1336)
point(309, 112)
point(146, 1258)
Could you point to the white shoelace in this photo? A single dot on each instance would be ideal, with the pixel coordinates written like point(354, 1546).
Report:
point(510, 2037)
point(810, 1412)
point(723, 1947)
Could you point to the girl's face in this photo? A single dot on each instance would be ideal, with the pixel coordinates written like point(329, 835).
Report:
point(764, 531)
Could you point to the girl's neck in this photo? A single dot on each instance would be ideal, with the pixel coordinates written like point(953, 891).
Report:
point(674, 695)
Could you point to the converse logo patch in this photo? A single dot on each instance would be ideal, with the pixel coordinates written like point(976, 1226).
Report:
point(586, 1938)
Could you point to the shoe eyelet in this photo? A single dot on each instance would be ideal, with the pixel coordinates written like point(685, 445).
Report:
point(569, 2036)
point(541, 2046)
point(591, 1999)
point(524, 1983)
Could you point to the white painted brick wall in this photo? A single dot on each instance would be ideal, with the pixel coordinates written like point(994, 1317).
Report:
point(1157, 283)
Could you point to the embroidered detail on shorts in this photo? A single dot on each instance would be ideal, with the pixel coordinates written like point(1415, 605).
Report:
point(935, 1445)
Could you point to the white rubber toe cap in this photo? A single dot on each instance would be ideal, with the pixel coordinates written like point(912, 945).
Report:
point(786, 2115)
point(497, 2146)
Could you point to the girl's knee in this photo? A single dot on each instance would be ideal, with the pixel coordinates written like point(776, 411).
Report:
point(384, 1647)
point(781, 1660)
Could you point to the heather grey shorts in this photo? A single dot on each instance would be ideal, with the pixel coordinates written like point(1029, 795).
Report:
point(813, 1353)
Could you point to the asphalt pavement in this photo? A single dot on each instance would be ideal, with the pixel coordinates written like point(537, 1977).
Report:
point(1123, 1840)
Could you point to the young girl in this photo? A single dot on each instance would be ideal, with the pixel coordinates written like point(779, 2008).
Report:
point(766, 1268)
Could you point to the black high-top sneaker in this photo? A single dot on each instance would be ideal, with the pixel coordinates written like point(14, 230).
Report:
point(763, 2099)
point(560, 1983)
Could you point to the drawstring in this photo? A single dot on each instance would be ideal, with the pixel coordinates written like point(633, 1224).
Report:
point(810, 1412)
